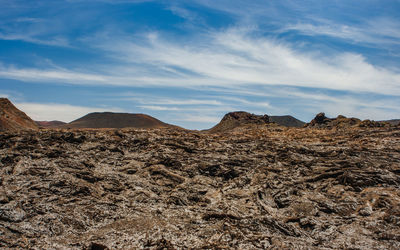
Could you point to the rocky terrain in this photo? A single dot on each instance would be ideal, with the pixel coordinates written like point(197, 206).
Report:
point(13, 119)
point(252, 187)
point(116, 120)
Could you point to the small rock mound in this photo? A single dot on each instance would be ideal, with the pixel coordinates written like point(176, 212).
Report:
point(13, 119)
point(237, 119)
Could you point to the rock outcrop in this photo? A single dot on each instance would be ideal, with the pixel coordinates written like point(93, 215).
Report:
point(13, 119)
point(237, 119)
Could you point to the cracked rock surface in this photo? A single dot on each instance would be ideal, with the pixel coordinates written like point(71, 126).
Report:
point(254, 187)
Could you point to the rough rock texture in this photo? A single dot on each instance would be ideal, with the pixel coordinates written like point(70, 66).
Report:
point(50, 124)
point(12, 118)
point(251, 188)
point(237, 119)
point(116, 120)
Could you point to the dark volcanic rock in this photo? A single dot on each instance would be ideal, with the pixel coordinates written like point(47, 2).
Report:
point(13, 119)
point(257, 187)
point(239, 118)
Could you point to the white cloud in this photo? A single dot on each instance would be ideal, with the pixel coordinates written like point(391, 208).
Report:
point(225, 59)
point(377, 31)
point(54, 41)
point(158, 108)
point(185, 102)
point(236, 58)
point(60, 112)
point(50, 75)
point(199, 118)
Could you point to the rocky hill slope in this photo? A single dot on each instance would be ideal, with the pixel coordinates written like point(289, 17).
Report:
point(12, 118)
point(252, 188)
point(116, 120)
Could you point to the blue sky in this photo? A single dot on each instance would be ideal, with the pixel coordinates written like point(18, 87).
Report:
point(190, 62)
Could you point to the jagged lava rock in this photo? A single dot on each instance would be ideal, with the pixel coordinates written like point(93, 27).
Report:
point(257, 187)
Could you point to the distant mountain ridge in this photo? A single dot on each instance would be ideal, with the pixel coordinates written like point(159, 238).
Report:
point(13, 119)
point(116, 120)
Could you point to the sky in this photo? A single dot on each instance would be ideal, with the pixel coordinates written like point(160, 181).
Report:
point(189, 62)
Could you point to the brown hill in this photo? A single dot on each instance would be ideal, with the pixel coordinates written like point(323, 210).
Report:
point(287, 121)
point(116, 120)
point(50, 124)
point(237, 119)
point(12, 119)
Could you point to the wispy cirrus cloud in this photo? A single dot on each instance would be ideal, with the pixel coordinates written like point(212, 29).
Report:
point(236, 57)
point(199, 119)
point(175, 101)
point(50, 75)
point(378, 31)
point(229, 58)
point(54, 41)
